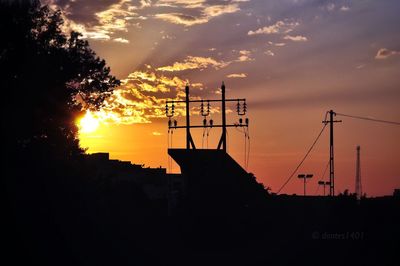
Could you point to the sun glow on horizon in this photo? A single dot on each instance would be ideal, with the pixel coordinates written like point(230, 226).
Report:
point(88, 123)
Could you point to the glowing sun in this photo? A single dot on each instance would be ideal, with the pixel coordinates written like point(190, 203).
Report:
point(88, 123)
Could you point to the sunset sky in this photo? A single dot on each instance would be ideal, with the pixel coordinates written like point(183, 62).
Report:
point(292, 60)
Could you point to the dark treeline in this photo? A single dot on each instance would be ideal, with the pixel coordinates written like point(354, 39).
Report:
point(58, 213)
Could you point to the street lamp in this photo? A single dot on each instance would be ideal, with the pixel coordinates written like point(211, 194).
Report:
point(305, 176)
point(324, 183)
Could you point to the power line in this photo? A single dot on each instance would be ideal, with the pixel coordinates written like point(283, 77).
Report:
point(246, 133)
point(371, 119)
point(312, 146)
point(304, 158)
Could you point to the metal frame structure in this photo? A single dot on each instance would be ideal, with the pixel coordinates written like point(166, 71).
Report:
point(241, 110)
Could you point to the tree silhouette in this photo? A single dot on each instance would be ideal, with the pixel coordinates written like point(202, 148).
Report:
point(47, 80)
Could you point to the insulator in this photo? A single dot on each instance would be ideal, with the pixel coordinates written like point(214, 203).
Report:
point(211, 123)
point(202, 112)
point(204, 122)
point(175, 123)
point(247, 121)
point(208, 106)
point(167, 112)
point(240, 121)
point(241, 110)
point(169, 123)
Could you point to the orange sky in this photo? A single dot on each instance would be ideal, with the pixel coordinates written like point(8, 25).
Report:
point(292, 60)
point(278, 142)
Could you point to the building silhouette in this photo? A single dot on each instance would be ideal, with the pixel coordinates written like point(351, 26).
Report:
point(155, 182)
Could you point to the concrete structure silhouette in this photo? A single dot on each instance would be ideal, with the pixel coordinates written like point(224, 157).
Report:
point(211, 177)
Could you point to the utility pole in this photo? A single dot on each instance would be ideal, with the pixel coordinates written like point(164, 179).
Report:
point(358, 189)
point(331, 153)
point(223, 136)
point(189, 139)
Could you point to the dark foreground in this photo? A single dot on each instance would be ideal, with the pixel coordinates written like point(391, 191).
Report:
point(54, 222)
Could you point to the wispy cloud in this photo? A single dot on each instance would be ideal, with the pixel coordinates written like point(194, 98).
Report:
point(114, 18)
point(141, 97)
point(269, 53)
point(194, 62)
point(182, 19)
point(297, 38)
point(181, 3)
point(279, 44)
point(121, 40)
point(218, 10)
point(344, 8)
point(384, 53)
point(200, 63)
point(239, 75)
point(205, 12)
point(244, 56)
point(330, 6)
point(281, 26)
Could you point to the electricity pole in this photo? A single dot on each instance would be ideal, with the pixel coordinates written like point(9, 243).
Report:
point(331, 153)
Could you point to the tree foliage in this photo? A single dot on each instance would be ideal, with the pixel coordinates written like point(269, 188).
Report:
point(48, 78)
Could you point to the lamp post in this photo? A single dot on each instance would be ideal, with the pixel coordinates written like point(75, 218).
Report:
point(305, 176)
point(324, 183)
